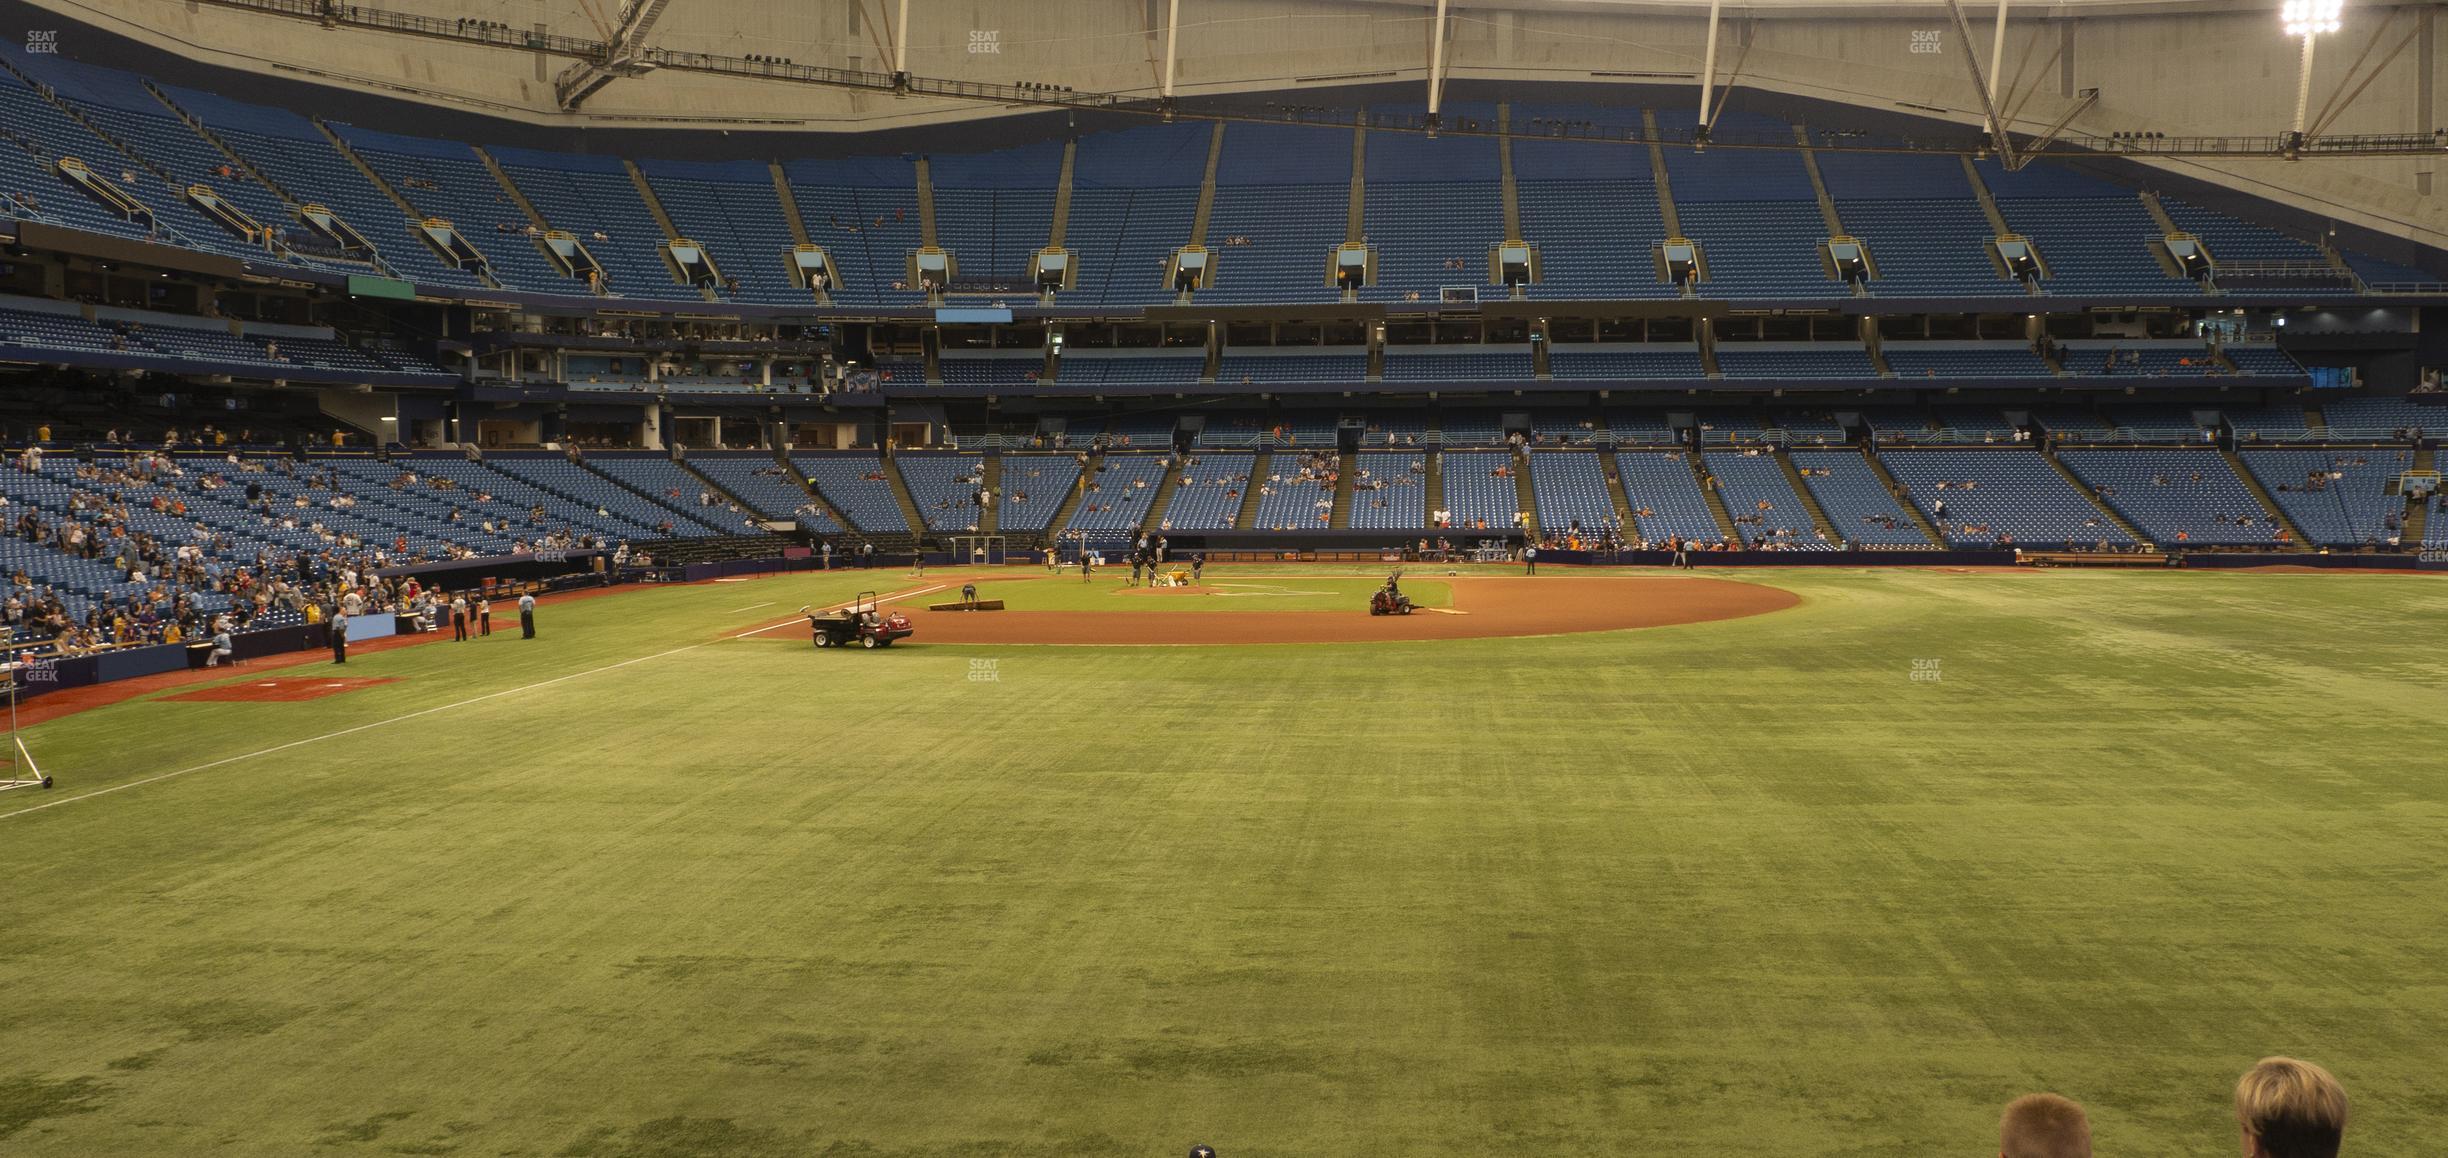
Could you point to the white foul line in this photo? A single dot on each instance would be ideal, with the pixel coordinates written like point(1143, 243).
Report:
point(228, 760)
point(346, 732)
point(750, 607)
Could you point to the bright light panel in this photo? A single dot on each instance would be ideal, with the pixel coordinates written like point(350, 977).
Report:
point(2312, 17)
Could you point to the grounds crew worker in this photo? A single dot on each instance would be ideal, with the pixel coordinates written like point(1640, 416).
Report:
point(339, 638)
point(459, 617)
point(527, 616)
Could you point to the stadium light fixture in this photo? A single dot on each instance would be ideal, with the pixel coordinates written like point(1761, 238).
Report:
point(2309, 19)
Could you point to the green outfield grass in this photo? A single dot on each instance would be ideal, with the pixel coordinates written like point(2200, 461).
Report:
point(1839, 880)
point(1304, 589)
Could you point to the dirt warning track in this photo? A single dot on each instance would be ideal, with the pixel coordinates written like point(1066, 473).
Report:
point(1484, 607)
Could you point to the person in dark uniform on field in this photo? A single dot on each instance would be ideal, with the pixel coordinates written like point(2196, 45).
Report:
point(1084, 568)
point(1198, 567)
point(339, 638)
point(484, 615)
point(527, 616)
point(1530, 558)
point(968, 592)
point(459, 618)
point(1137, 561)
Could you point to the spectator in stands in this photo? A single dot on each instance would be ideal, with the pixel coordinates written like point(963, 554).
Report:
point(2290, 1109)
point(2044, 1126)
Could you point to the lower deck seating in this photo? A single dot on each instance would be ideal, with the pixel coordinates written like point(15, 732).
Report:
point(1572, 493)
point(945, 487)
point(1762, 501)
point(2002, 497)
point(1856, 500)
point(2338, 497)
point(853, 481)
point(768, 487)
point(1118, 496)
point(1212, 487)
point(1389, 492)
point(1480, 490)
point(1034, 487)
point(1665, 496)
point(2176, 497)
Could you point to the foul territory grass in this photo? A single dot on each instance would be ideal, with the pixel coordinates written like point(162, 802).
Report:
point(1837, 880)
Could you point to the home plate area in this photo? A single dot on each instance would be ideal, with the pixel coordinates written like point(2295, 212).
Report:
point(278, 691)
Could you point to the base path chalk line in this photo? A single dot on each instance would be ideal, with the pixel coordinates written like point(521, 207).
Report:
point(895, 597)
point(750, 607)
point(1439, 610)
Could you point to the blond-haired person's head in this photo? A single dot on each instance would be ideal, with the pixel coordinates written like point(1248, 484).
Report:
point(2290, 1109)
point(2044, 1126)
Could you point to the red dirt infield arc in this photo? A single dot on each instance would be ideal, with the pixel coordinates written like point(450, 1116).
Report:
point(289, 690)
point(1490, 607)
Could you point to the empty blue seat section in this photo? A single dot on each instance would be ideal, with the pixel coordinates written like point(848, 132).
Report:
point(766, 486)
point(2231, 239)
point(1755, 215)
point(1457, 427)
point(1512, 364)
point(995, 370)
point(522, 483)
point(729, 208)
point(2381, 417)
point(2262, 361)
point(2093, 236)
point(118, 105)
point(670, 484)
point(1134, 197)
point(1476, 495)
point(2175, 496)
point(1643, 427)
point(2284, 420)
point(1592, 209)
point(1086, 368)
point(2149, 423)
point(1118, 497)
point(1666, 499)
point(1856, 500)
point(293, 155)
point(1213, 485)
point(1282, 195)
point(2000, 496)
point(1145, 430)
point(944, 485)
point(1588, 363)
point(1920, 217)
point(645, 488)
point(1793, 360)
point(1260, 369)
point(1762, 500)
point(1571, 488)
point(853, 481)
point(864, 211)
point(2173, 359)
point(1389, 490)
point(1428, 203)
point(444, 179)
point(1034, 487)
point(2339, 498)
point(586, 195)
point(2379, 273)
point(1964, 360)
point(53, 136)
point(994, 211)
